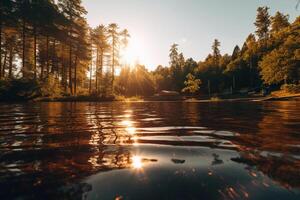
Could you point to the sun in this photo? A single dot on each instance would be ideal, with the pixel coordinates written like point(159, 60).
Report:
point(133, 53)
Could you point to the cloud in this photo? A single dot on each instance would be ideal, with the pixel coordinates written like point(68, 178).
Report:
point(182, 41)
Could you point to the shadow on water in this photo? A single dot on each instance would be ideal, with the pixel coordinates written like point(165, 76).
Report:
point(150, 150)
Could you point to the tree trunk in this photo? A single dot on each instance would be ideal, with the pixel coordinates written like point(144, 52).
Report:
point(90, 86)
point(209, 88)
point(63, 78)
point(70, 55)
point(47, 56)
point(0, 45)
point(101, 69)
point(23, 47)
point(4, 64)
point(70, 71)
point(75, 77)
point(54, 61)
point(10, 62)
point(97, 63)
point(251, 72)
point(42, 71)
point(113, 66)
point(233, 81)
point(34, 49)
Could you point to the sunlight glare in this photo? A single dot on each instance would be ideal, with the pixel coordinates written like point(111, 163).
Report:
point(131, 130)
point(126, 123)
point(133, 53)
point(137, 162)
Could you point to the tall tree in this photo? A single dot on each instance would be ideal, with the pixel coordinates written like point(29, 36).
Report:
point(73, 10)
point(100, 41)
point(173, 55)
point(6, 17)
point(216, 51)
point(262, 23)
point(113, 30)
point(281, 65)
point(279, 21)
point(125, 38)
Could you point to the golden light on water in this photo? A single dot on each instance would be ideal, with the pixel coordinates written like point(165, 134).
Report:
point(126, 123)
point(137, 162)
point(131, 130)
point(135, 141)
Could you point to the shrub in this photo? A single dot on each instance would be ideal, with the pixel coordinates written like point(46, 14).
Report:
point(19, 89)
point(291, 88)
point(51, 87)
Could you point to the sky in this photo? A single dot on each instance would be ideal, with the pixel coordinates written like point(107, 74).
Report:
point(154, 25)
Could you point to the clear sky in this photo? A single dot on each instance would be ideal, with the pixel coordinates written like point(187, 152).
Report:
point(155, 24)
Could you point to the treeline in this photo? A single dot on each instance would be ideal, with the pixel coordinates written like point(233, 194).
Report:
point(49, 44)
point(270, 57)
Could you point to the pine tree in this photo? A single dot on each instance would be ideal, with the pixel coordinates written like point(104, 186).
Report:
point(113, 31)
point(279, 21)
point(216, 51)
point(262, 23)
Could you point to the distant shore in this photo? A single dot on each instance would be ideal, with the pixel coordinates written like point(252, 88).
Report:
point(181, 98)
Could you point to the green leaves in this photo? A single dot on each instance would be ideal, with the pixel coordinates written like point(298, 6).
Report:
point(192, 85)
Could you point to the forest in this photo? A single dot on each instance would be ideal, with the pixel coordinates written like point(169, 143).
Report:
point(47, 49)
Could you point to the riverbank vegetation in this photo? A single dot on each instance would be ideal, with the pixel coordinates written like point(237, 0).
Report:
point(49, 50)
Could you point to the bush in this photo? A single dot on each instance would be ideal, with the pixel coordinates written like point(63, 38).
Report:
point(215, 99)
point(19, 89)
point(291, 88)
point(51, 87)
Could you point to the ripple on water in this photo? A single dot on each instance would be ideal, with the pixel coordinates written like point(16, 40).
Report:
point(216, 151)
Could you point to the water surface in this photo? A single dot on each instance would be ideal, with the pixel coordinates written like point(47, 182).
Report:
point(150, 150)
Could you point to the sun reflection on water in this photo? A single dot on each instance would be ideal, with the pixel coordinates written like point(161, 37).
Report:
point(131, 130)
point(129, 127)
point(137, 162)
point(126, 123)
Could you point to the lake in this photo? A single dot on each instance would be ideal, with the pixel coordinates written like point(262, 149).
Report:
point(150, 150)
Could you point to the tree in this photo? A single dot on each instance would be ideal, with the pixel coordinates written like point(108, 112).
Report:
point(73, 11)
point(125, 37)
point(176, 67)
point(173, 55)
point(192, 85)
point(162, 78)
point(262, 23)
point(113, 31)
point(275, 67)
point(216, 51)
point(100, 41)
point(281, 65)
point(279, 21)
point(7, 19)
point(135, 81)
point(236, 52)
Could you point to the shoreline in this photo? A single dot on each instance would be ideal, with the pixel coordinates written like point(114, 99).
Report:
point(295, 97)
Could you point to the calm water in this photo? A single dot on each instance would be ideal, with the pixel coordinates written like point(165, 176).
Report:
point(155, 150)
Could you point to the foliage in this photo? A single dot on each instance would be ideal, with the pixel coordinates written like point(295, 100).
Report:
point(192, 85)
point(136, 81)
point(51, 87)
point(48, 48)
point(19, 89)
point(262, 22)
point(291, 88)
point(282, 64)
point(279, 21)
